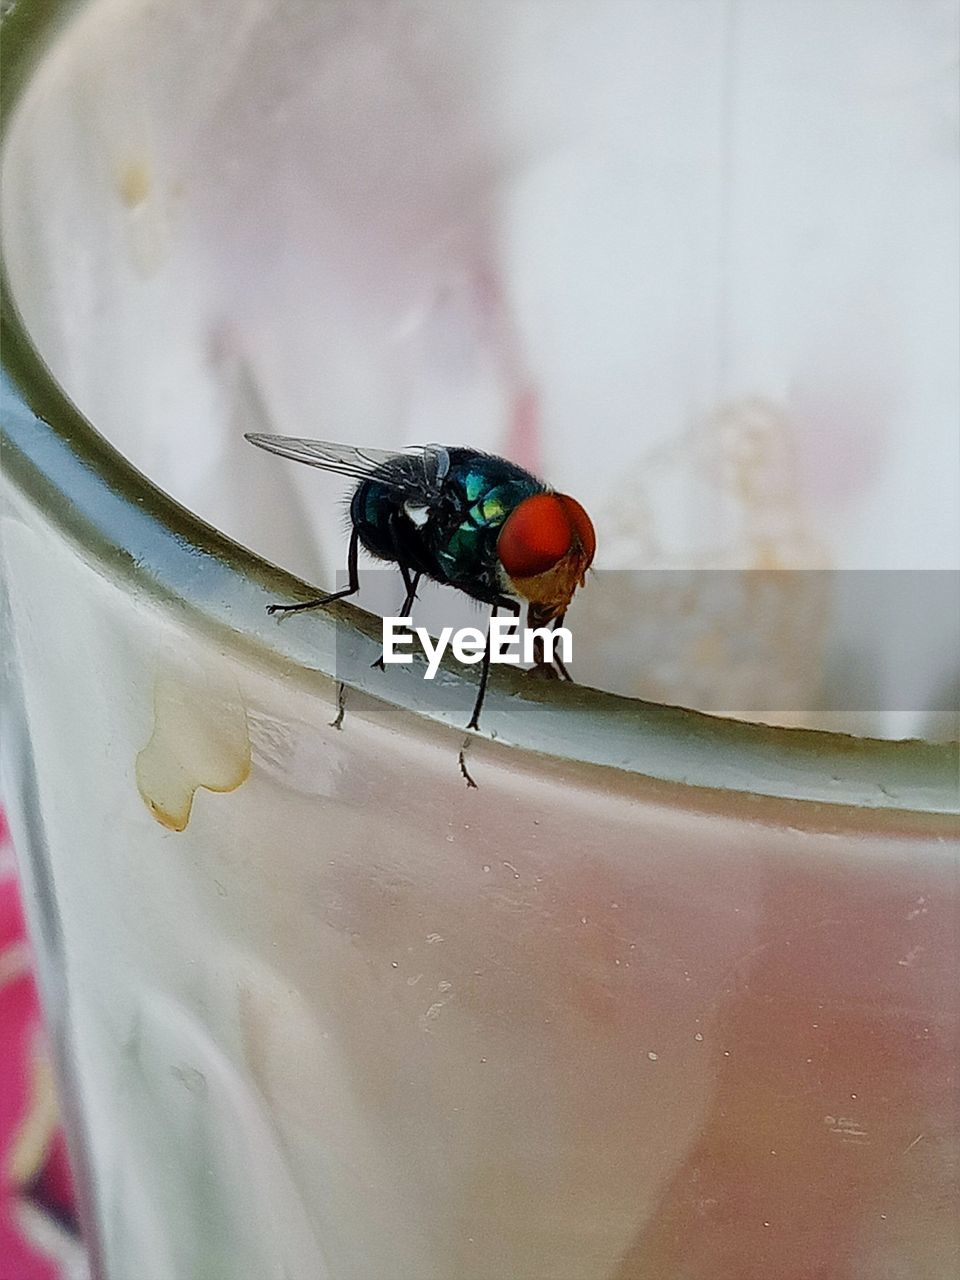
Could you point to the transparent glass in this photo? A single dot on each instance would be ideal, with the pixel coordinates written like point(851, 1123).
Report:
point(665, 995)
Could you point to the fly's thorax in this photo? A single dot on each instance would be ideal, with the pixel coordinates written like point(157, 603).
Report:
point(451, 535)
point(484, 491)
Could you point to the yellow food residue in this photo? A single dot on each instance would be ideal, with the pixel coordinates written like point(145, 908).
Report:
point(199, 739)
point(133, 183)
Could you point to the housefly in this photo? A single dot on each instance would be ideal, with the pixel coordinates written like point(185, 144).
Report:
point(463, 519)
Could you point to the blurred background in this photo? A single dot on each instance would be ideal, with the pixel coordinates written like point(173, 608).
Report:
point(695, 261)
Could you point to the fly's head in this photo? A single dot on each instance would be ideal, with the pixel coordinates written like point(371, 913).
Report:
point(545, 547)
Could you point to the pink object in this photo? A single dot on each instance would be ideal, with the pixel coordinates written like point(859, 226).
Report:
point(34, 1173)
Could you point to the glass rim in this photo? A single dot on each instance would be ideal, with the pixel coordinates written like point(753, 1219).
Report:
point(121, 521)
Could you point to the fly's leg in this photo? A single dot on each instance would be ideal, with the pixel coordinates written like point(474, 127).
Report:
point(541, 669)
point(555, 669)
point(513, 607)
point(474, 722)
point(409, 583)
point(337, 723)
point(465, 772)
point(557, 660)
point(406, 608)
point(352, 589)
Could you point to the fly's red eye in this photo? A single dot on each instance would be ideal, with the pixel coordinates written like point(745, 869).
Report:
point(534, 536)
point(540, 532)
point(582, 527)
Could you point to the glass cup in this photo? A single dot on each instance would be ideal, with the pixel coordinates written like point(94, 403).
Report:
point(664, 994)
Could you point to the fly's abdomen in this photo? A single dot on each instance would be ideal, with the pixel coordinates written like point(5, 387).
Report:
point(372, 511)
point(386, 530)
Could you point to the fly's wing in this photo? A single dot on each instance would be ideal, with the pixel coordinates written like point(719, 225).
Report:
point(342, 458)
point(436, 464)
point(419, 473)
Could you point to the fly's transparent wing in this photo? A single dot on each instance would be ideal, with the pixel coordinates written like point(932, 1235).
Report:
point(436, 464)
point(418, 473)
point(342, 458)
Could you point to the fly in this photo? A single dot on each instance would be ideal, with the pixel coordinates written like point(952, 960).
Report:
point(463, 519)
